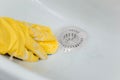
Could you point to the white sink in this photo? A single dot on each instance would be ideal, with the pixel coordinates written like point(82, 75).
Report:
point(99, 59)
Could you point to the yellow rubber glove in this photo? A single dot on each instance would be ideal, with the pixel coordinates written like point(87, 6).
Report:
point(44, 36)
point(16, 41)
point(26, 41)
point(29, 43)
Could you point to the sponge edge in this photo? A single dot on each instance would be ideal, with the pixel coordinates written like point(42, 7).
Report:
point(50, 47)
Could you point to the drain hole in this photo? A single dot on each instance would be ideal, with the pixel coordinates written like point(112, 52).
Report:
point(71, 37)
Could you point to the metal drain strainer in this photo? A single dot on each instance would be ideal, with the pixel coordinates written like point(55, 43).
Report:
point(72, 37)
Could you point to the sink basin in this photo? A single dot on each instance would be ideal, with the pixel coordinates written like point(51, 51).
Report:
point(98, 59)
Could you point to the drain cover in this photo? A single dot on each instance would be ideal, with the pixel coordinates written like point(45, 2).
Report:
point(72, 37)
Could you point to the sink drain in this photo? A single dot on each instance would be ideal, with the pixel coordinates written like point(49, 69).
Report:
point(72, 37)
